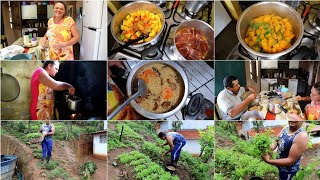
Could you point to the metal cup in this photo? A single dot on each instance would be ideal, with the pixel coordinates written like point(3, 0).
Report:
point(193, 7)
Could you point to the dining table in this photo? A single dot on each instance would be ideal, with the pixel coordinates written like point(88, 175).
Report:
point(34, 50)
point(264, 102)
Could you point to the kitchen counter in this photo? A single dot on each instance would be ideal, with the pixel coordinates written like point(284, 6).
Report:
point(281, 116)
point(33, 50)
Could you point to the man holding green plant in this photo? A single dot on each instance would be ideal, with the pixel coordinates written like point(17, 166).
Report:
point(47, 131)
point(292, 143)
point(176, 141)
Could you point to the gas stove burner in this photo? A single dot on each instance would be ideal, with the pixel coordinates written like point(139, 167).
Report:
point(198, 108)
point(303, 53)
point(317, 22)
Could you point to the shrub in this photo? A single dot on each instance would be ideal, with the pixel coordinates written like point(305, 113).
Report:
point(235, 165)
point(34, 135)
point(87, 169)
point(50, 166)
point(261, 144)
point(58, 172)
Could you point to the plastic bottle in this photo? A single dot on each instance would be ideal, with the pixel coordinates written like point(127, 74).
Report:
point(26, 38)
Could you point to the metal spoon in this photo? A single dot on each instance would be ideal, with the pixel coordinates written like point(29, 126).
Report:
point(142, 91)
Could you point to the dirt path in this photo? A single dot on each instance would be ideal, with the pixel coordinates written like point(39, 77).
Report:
point(223, 142)
point(114, 172)
point(101, 171)
point(26, 160)
point(61, 151)
point(309, 155)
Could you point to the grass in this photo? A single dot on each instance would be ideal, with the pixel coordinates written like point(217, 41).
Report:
point(58, 172)
point(49, 166)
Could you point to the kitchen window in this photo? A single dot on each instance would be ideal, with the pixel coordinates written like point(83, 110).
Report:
point(103, 138)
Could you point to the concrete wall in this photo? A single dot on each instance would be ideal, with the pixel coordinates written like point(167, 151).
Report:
point(192, 146)
point(22, 71)
point(99, 149)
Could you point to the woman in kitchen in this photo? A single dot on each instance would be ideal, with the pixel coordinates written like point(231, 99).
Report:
point(312, 110)
point(62, 34)
point(42, 89)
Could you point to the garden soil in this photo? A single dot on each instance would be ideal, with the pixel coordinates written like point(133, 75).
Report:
point(114, 172)
point(100, 173)
point(62, 152)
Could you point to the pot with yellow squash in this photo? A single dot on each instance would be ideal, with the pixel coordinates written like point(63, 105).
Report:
point(270, 30)
point(136, 18)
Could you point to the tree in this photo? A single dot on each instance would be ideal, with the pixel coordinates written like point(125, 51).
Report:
point(207, 143)
point(176, 125)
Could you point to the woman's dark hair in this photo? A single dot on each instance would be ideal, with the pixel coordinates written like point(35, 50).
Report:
point(317, 87)
point(161, 135)
point(46, 63)
point(64, 4)
point(227, 81)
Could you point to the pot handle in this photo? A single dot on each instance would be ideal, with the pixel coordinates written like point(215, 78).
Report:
point(150, 50)
point(283, 109)
point(119, 72)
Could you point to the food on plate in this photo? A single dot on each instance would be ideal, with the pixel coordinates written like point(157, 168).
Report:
point(294, 110)
point(191, 43)
point(165, 88)
point(140, 22)
point(255, 108)
point(275, 101)
point(270, 34)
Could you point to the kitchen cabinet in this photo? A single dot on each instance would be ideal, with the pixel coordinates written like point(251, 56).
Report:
point(293, 86)
point(265, 83)
point(269, 64)
point(29, 12)
point(293, 64)
point(49, 11)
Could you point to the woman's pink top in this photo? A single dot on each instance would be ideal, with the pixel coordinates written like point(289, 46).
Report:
point(42, 99)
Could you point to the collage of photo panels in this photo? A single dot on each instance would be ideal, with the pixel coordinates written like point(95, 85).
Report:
point(160, 90)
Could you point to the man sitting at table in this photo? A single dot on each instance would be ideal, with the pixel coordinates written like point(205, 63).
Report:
point(229, 100)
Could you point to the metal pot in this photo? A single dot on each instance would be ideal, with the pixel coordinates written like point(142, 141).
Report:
point(133, 7)
point(274, 104)
point(264, 8)
point(66, 96)
point(131, 84)
point(194, 7)
point(207, 31)
point(73, 103)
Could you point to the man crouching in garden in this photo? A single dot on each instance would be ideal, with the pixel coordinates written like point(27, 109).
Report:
point(176, 141)
point(47, 131)
point(292, 143)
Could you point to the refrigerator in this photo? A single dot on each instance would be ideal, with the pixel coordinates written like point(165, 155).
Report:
point(93, 44)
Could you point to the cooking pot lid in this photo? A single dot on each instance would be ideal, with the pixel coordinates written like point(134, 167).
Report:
point(10, 88)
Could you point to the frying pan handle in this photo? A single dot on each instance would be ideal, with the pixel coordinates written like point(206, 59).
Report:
point(152, 49)
point(283, 109)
